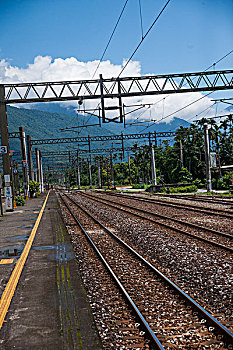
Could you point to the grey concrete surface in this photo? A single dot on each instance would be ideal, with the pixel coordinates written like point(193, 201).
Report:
point(50, 309)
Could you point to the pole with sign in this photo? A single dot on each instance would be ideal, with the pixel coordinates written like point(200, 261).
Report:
point(1, 210)
point(5, 149)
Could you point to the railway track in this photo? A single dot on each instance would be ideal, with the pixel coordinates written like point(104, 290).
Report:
point(168, 316)
point(226, 200)
point(218, 238)
point(184, 206)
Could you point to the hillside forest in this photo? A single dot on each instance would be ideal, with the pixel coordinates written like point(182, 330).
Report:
point(173, 165)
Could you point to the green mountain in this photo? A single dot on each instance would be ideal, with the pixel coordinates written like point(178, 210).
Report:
point(44, 124)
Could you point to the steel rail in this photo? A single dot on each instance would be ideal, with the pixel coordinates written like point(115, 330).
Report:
point(220, 212)
point(223, 212)
point(106, 202)
point(227, 334)
point(204, 198)
point(190, 224)
point(145, 325)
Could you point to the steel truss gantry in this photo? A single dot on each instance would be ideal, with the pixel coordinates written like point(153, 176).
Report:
point(118, 87)
point(88, 139)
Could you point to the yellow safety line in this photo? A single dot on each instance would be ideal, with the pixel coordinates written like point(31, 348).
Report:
point(13, 281)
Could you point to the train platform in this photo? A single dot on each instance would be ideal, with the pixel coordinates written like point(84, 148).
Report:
point(43, 303)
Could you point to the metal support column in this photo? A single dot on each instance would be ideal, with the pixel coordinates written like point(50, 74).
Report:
point(30, 161)
point(38, 166)
point(130, 179)
point(154, 179)
point(24, 160)
point(6, 156)
point(89, 168)
point(112, 173)
point(207, 158)
point(181, 155)
point(99, 175)
point(102, 98)
point(41, 173)
point(78, 171)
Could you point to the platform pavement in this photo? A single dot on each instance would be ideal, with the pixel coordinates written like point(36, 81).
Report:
point(49, 309)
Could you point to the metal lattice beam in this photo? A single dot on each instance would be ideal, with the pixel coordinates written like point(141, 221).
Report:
point(103, 138)
point(118, 87)
point(14, 135)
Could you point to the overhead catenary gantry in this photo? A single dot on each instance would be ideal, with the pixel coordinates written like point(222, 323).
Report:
point(117, 88)
point(102, 89)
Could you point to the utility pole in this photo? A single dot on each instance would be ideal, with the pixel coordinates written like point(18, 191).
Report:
point(1, 209)
point(99, 174)
point(181, 155)
point(130, 179)
point(38, 178)
point(41, 173)
point(78, 170)
point(154, 180)
point(30, 161)
point(112, 173)
point(89, 168)
point(207, 158)
point(6, 155)
point(24, 161)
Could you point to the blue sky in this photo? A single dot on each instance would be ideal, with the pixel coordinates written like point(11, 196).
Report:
point(189, 36)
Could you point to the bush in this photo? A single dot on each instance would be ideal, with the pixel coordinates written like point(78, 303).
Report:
point(33, 187)
point(136, 186)
point(19, 200)
point(198, 183)
point(185, 189)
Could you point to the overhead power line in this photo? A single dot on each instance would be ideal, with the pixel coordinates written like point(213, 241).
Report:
point(111, 36)
point(188, 104)
point(141, 41)
point(143, 38)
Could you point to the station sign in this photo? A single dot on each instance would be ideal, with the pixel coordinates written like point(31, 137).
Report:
point(3, 149)
point(8, 196)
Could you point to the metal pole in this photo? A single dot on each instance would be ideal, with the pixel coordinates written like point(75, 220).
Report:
point(1, 209)
point(154, 180)
point(6, 156)
point(78, 170)
point(181, 155)
point(112, 173)
point(99, 174)
point(24, 160)
point(30, 161)
point(207, 158)
point(89, 167)
point(130, 180)
point(102, 98)
point(41, 173)
point(37, 165)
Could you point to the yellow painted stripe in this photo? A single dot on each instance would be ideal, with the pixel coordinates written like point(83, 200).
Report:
point(6, 261)
point(14, 278)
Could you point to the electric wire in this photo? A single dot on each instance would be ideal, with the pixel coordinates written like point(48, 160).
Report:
point(141, 41)
point(106, 47)
point(170, 95)
point(180, 109)
point(136, 49)
point(140, 13)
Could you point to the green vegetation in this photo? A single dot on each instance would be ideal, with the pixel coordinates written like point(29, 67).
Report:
point(19, 200)
point(33, 188)
point(170, 167)
point(185, 189)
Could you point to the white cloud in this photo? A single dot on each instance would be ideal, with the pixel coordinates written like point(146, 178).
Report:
point(47, 69)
